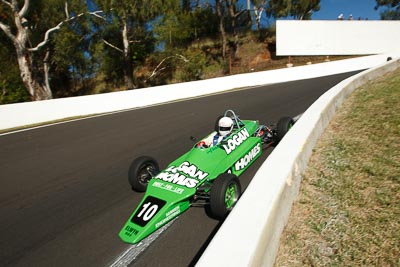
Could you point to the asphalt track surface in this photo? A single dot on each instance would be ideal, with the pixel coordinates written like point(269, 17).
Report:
point(64, 194)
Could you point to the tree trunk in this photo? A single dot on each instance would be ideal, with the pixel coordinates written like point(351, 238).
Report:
point(218, 5)
point(233, 15)
point(128, 64)
point(258, 11)
point(46, 70)
point(36, 90)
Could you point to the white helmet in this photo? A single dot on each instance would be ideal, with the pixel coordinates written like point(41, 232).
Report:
point(225, 126)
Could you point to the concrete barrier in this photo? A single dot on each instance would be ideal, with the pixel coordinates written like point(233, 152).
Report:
point(22, 114)
point(250, 235)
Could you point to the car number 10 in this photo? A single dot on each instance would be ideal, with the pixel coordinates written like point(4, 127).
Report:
point(150, 207)
point(150, 211)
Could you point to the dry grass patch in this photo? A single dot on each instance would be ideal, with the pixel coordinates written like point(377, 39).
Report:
point(348, 210)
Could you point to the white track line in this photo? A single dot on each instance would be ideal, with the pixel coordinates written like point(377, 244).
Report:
point(135, 250)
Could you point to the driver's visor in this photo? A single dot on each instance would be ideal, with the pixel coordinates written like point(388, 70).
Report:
point(224, 128)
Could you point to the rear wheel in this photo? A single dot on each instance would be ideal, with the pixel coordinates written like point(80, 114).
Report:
point(142, 169)
point(284, 125)
point(225, 193)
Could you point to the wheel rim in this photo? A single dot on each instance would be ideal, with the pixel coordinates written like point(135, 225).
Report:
point(144, 175)
point(231, 196)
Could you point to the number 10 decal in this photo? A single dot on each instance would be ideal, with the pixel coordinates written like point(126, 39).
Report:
point(147, 210)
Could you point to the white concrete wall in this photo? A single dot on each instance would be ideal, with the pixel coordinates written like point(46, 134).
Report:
point(250, 235)
point(313, 37)
point(16, 115)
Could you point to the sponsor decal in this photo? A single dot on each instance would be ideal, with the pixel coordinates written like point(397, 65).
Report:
point(169, 187)
point(235, 141)
point(246, 160)
point(169, 216)
point(129, 231)
point(179, 175)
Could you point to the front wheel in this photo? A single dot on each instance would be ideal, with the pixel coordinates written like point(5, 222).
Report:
point(225, 193)
point(142, 169)
point(284, 125)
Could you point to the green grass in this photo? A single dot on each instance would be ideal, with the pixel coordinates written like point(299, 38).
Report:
point(348, 210)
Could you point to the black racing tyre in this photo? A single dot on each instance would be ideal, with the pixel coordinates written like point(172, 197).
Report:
point(225, 192)
point(139, 175)
point(284, 125)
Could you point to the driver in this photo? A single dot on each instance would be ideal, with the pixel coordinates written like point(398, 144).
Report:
point(225, 126)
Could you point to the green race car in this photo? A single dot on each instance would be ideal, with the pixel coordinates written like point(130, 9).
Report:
point(205, 175)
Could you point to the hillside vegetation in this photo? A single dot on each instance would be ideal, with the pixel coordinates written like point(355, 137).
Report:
point(59, 48)
point(201, 61)
point(348, 210)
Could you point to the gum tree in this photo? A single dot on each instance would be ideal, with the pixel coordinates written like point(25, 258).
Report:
point(132, 19)
point(29, 28)
point(258, 9)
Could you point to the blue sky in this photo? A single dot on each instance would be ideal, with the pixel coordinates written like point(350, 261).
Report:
point(330, 9)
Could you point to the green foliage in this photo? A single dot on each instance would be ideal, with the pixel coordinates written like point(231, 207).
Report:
point(391, 3)
point(179, 29)
point(11, 90)
point(392, 11)
point(192, 69)
point(110, 60)
point(128, 23)
point(138, 11)
point(142, 49)
point(392, 14)
point(298, 9)
point(11, 87)
point(71, 65)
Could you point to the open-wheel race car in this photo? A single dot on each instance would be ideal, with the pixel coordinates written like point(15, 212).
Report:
point(207, 175)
